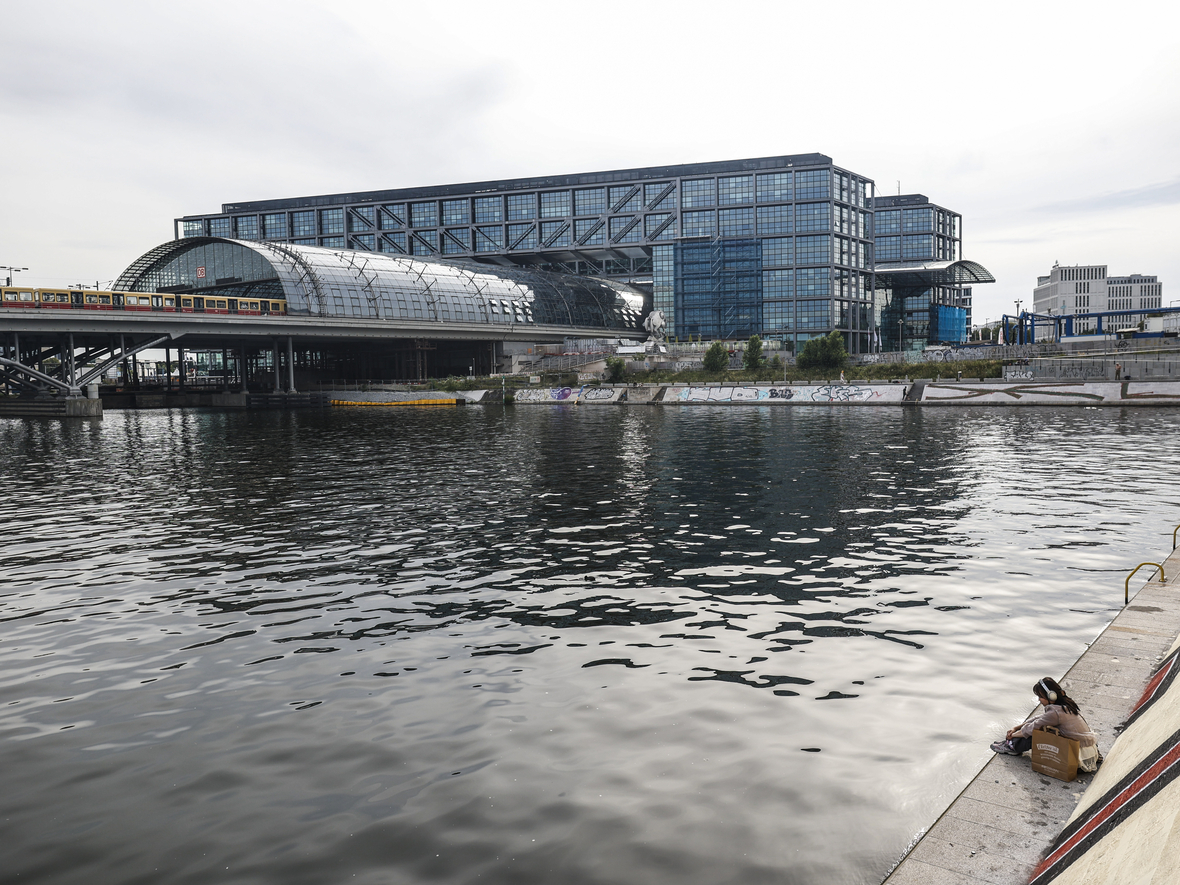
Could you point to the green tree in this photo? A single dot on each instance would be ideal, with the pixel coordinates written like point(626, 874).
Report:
point(753, 358)
point(716, 358)
point(824, 353)
point(616, 369)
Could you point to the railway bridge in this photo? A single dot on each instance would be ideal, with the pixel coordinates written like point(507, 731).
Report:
point(326, 313)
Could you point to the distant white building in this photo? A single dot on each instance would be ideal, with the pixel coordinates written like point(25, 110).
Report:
point(1083, 289)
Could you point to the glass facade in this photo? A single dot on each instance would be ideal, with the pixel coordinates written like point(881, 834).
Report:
point(910, 230)
point(809, 222)
point(322, 282)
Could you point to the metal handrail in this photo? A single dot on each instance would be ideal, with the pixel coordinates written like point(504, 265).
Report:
point(1127, 585)
point(1177, 529)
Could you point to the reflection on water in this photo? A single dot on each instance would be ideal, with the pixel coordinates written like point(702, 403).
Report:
point(596, 645)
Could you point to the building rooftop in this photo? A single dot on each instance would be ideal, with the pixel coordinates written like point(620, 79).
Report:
point(508, 184)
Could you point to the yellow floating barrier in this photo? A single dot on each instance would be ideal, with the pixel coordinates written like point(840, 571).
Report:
point(409, 402)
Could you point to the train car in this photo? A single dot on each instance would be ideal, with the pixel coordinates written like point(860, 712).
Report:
point(20, 297)
point(89, 299)
point(53, 298)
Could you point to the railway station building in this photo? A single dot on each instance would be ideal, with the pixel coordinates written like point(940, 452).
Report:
point(783, 246)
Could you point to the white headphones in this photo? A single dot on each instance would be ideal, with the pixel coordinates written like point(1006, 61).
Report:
point(1049, 694)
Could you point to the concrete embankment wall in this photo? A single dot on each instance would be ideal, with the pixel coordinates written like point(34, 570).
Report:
point(1012, 825)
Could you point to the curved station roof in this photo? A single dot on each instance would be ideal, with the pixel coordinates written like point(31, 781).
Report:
point(933, 273)
point(332, 283)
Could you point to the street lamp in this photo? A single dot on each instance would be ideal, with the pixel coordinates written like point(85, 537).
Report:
point(901, 335)
point(11, 271)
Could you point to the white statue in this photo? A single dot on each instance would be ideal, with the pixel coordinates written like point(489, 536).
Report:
point(656, 324)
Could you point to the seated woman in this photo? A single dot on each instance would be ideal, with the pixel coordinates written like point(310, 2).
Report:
point(1061, 711)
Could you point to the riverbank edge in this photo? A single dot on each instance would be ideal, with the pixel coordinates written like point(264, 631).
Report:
point(1000, 826)
point(853, 393)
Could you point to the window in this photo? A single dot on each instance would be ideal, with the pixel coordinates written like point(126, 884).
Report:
point(303, 224)
point(813, 250)
point(590, 202)
point(774, 219)
point(916, 248)
point(624, 229)
point(393, 216)
point(555, 204)
point(456, 212)
point(247, 227)
point(424, 242)
point(332, 242)
point(698, 224)
point(623, 200)
point(813, 185)
point(456, 241)
point(522, 206)
point(332, 221)
point(521, 236)
point(424, 214)
point(888, 249)
point(811, 282)
point(194, 228)
point(488, 239)
point(778, 251)
point(651, 193)
point(917, 220)
point(701, 192)
point(778, 283)
point(219, 227)
point(736, 222)
point(812, 216)
point(774, 188)
point(737, 189)
point(274, 226)
point(364, 241)
point(488, 209)
point(394, 242)
point(554, 233)
point(653, 223)
point(590, 232)
point(361, 218)
point(889, 222)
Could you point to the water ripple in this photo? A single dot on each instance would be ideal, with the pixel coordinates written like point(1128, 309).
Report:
point(537, 644)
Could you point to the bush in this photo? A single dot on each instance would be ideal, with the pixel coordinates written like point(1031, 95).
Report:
point(824, 353)
point(616, 369)
point(753, 358)
point(716, 358)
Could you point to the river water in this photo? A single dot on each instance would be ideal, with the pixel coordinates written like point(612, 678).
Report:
point(539, 643)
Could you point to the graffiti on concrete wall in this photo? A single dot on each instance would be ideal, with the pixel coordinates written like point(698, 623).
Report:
point(843, 393)
point(567, 394)
point(730, 394)
point(544, 395)
point(598, 394)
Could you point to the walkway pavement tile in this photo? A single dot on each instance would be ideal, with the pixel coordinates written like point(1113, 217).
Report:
point(919, 873)
point(1004, 818)
point(970, 861)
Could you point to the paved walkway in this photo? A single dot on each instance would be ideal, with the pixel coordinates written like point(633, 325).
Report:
point(999, 827)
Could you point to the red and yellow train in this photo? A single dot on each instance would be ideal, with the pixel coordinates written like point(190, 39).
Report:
point(90, 299)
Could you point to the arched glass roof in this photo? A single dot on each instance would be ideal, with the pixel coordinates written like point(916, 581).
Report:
point(933, 273)
point(316, 281)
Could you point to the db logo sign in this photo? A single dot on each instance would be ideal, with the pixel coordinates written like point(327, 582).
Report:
point(200, 273)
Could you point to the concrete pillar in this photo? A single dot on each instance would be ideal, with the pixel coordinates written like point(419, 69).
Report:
point(290, 365)
point(278, 368)
point(180, 367)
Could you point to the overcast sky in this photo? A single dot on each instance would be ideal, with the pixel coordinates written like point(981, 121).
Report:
point(1052, 127)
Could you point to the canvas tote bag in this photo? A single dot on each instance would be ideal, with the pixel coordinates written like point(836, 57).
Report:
point(1054, 755)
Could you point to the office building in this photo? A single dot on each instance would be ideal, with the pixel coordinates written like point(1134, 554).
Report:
point(917, 310)
point(1094, 297)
